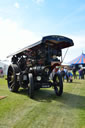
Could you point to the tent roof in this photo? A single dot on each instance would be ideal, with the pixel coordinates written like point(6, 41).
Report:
point(79, 60)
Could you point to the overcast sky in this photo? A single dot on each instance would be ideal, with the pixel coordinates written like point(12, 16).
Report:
point(26, 21)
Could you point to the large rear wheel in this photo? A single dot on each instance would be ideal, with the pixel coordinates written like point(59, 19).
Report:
point(58, 84)
point(31, 85)
point(13, 84)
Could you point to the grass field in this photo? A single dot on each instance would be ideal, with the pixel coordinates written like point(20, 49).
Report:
point(47, 110)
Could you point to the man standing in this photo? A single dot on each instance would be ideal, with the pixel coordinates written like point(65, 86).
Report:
point(74, 72)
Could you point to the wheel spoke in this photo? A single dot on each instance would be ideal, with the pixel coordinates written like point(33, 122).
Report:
point(10, 72)
point(12, 85)
point(10, 81)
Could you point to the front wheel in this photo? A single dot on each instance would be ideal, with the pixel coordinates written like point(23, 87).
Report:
point(58, 84)
point(13, 84)
point(31, 85)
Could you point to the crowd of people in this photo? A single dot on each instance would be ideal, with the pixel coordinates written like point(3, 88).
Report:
point(66, 74)
point(70, 74)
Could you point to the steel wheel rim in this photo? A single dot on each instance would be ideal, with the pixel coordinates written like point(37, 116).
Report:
point(10, 78)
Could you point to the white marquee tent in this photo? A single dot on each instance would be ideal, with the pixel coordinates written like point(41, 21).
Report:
point(4, 65)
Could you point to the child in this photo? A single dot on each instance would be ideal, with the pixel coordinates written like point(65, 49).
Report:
point(70, 75)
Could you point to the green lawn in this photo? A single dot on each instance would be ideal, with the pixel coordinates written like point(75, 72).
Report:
point(47, 110)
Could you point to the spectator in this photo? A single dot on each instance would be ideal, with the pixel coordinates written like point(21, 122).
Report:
point(74, 72)
point(66, 74)
point(70, 75)
point(81, 73)
point(1, 72)
point(62, 73)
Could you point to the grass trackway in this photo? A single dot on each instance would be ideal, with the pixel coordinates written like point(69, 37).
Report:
point(46, 110)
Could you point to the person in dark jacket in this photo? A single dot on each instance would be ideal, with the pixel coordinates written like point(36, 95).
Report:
point(74, 72)
point(62, 73)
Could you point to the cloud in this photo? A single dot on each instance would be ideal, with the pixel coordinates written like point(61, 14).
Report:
point(79, 41)
point(16, 5)
point(77, 49)
point(13, 38)
point(38, 1)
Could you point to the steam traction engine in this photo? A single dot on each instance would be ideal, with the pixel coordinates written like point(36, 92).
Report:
point(36, 66)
